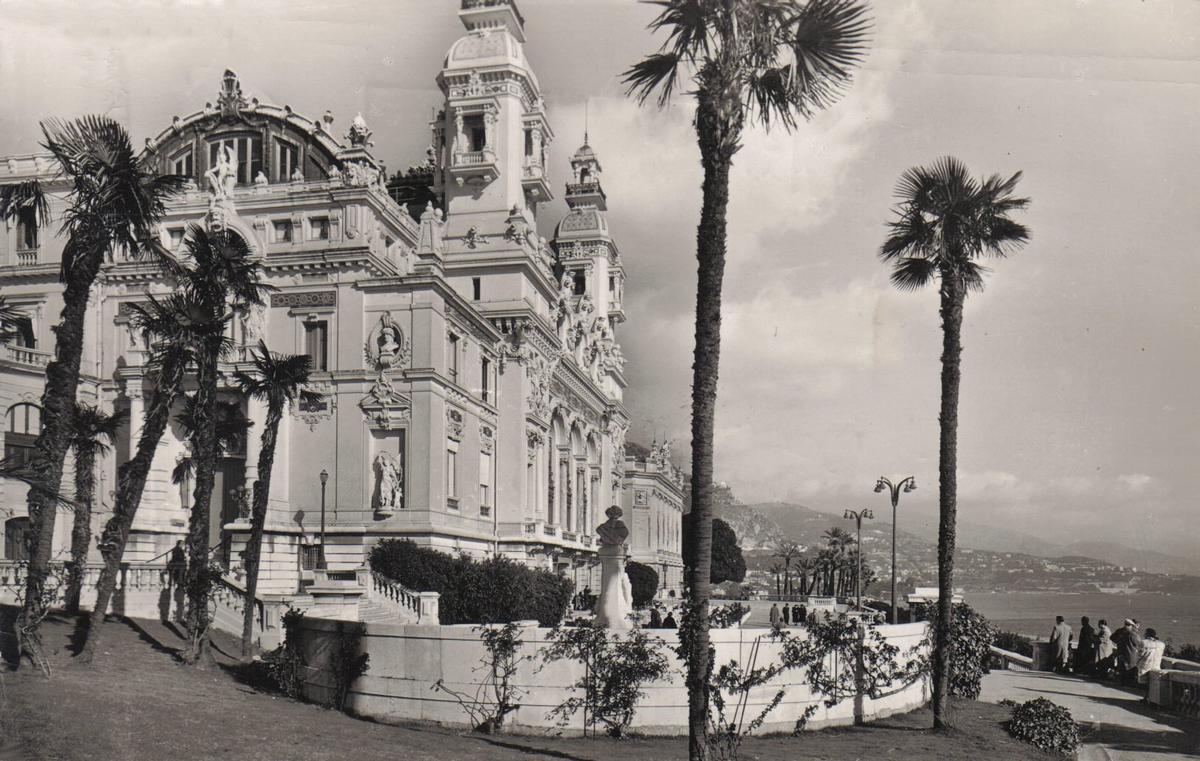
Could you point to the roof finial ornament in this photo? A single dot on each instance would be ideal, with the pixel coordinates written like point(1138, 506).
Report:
point(585, 121)
point(230, 99)
point(359, 133)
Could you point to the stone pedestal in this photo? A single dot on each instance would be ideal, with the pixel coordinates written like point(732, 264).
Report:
point(614, 604)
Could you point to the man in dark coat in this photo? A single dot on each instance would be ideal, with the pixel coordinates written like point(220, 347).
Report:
point(1085, 648)
point(787, 613)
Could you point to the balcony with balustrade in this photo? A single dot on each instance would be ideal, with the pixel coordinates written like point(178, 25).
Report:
point(24, 358)
point(534, 180)
point(473, 167)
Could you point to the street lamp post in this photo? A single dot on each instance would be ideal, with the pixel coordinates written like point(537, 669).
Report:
point(324, 480)
point(858, 516)
point(908, 484)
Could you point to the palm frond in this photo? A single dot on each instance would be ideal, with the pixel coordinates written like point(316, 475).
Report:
point(829, 39)
point(25, 197)
point(657, 71)
point(95, 429)
point(910, 274)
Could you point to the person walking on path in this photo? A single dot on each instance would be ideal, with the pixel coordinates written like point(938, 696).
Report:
point(787, 620)
point(1060, 645)
point(775, 616)
point(1085, 649)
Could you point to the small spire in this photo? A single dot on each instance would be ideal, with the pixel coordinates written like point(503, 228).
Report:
point(585, 121)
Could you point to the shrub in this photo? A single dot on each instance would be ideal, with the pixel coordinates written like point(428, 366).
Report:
point(1187, 652)
point(285, 664)
point(615, 670)
point(725, 616)
point(971, 639)
point(491, 591)
point(1044, 725)
point(1014, 643)
point(643, 580)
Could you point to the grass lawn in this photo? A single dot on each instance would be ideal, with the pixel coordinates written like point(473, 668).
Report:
point(137, 702)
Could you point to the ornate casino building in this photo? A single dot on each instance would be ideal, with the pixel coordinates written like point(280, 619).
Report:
point(468, 372)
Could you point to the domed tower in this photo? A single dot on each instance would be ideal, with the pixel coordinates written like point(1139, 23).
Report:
point(586, 251)
point(491, 138)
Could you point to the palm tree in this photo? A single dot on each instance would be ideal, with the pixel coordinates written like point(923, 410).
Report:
point(766, 61)
point(222, 278)
point(114, 204)
point(177, 326)
point(805, 566)
point(277, 379)
point(777, 569)
point(945, 223)
point(787, 551)
point(93, 432)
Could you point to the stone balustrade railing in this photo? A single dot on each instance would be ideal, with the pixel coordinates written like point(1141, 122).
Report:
point(473, 158)
point(23, 355)
point(1006, 660)
point(423, 604)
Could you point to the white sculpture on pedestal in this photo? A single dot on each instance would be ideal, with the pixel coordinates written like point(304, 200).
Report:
point(391, 480)
point(616, 595)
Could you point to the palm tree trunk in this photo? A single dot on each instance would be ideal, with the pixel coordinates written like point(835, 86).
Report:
point(81, 530)
point(952, 315)
point(58, 409)
point(258, 519)
point(131, 482)
point(204, 453)
point(713, 133)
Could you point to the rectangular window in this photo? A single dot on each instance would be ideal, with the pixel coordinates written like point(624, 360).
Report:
point(451, 474)
point(475, 132)
point(485, 479)
point(21, 329)
point(27, 230)
point(287, 158)
point(316, 344)
point(318, 228)
point(476, 288)
point(181, 163)
point(452, 357)
point(283, 230)
point(485, 371)
point(528, 144)
point(612, 286)
point(579, 278)
point(176, 234)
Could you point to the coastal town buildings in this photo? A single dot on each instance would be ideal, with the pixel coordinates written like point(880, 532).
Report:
point(467, 373)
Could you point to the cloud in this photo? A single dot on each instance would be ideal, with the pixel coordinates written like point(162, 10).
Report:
point(1135, 482)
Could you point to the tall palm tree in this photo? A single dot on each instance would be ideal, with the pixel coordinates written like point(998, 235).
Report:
point(777, 570)
point(765, 61)
point(176, 326)
point(805, 566)
point(222, 278)
point(114, 203)
point(278, 379)
point(945, 223)
point(231, 429)
point(787, 551)
point(93, 432)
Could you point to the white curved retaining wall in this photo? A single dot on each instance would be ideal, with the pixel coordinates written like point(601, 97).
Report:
point(407, 660)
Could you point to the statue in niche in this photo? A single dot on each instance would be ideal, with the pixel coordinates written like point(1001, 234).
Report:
point(297, 174)
point(386, 346)
point(260, 179)
point(391, 479)
point(222, 176)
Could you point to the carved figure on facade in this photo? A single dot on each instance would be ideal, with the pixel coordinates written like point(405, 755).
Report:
point(254, 320)
point(390, 477)
point(454, 424)
point(474, 238)
point(533, 442)
point(359, 134)
point(487, 439)
point(297, 174)
point(222, 175)
point(230, 100)
point(260, 179)
point(387, 347)
point(315, 404)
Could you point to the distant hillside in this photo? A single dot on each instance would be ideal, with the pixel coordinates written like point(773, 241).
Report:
point(1080, 567)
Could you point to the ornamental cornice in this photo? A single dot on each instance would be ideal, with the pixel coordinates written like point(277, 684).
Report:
point(484, 82)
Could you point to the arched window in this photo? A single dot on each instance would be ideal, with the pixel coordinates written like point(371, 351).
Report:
point(23, 424)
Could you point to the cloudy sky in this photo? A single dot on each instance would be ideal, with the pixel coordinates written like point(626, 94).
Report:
point(1080, 416)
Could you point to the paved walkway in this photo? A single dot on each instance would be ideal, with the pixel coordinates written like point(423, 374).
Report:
point(1117, 725)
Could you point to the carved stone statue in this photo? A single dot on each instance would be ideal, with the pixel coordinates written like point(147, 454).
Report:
point(616, 599)
point(297, 174)
point(613, 532)
point(260, 179)
point(222, 176)
point(391, 479)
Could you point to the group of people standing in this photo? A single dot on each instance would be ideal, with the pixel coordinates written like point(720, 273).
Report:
point(788, 615)
point(1126, 653)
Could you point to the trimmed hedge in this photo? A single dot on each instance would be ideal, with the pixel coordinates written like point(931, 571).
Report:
point(491, 591)
point(643, 581)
